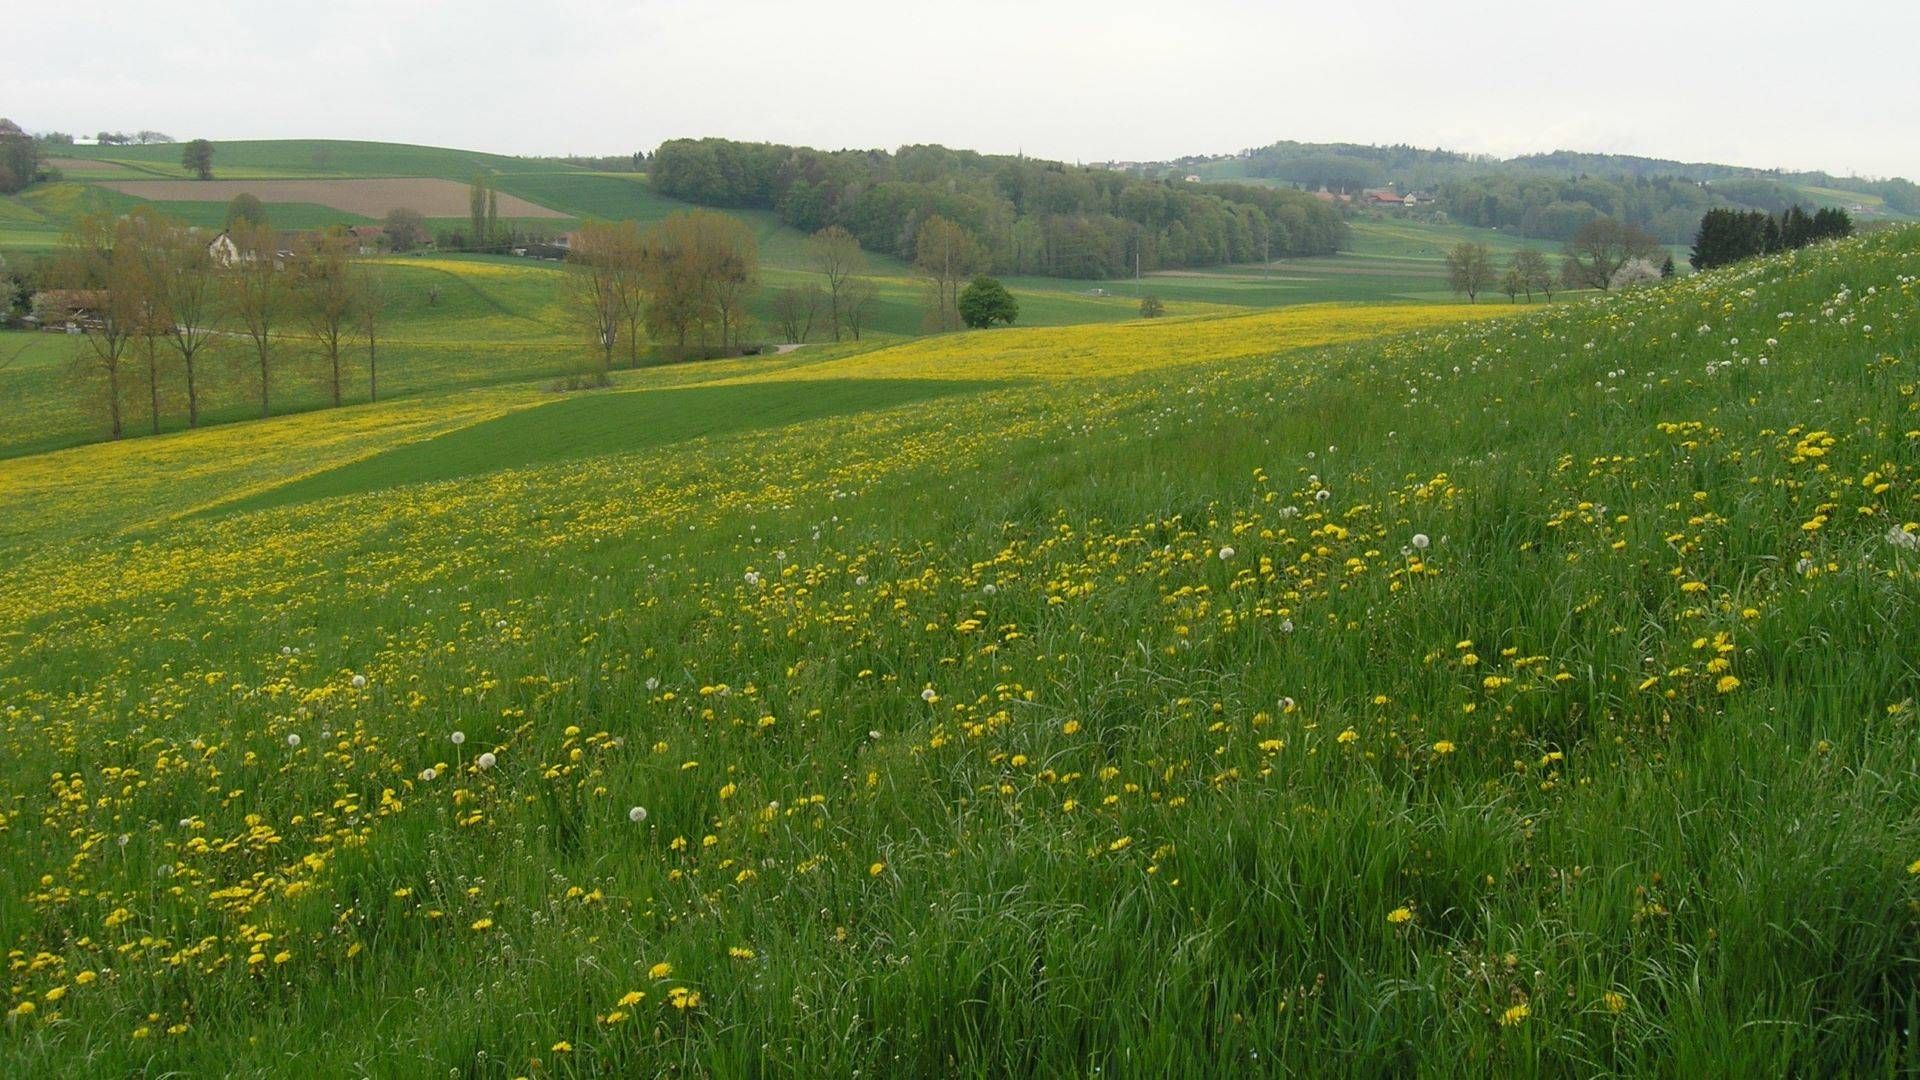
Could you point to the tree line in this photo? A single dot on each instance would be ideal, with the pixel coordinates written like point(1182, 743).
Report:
point(1728, 236)
point(1027, 216)
point(154, 299)
point(1602, 254)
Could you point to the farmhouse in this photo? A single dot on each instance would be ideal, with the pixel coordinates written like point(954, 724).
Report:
point(66, 310)
point(368, 239)
point(223, 251)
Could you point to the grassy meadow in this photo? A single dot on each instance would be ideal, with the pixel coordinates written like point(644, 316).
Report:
point(1361, 689)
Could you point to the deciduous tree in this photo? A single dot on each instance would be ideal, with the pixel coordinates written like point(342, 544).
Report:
point(197, 158)
point(245, 209)
point(986, 301)
point(369, 308)
point(19, 157)
point(946, 254)
point(406, 229)
point(1535, 273)
point(187, 301)
point(837, 255)
point(1470, 269)
point(95, 271)
point(254, 292)
point(596, 262)
point(794, 308)
point(326, 288)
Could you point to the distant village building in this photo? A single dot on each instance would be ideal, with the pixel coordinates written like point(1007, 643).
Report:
point(223, 251)
point(368, 239)
point(1193, 178)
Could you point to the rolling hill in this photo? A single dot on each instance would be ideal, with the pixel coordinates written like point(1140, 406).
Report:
point(1401, 688)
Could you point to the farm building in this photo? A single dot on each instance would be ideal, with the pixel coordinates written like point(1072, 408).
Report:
point(223, 251)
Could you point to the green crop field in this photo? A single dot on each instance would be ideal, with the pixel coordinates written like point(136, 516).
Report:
point(1380, 690)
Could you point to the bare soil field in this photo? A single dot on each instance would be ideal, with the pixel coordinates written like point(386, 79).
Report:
point(369, 198)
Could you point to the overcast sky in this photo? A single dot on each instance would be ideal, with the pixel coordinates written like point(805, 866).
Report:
point(1758, 83)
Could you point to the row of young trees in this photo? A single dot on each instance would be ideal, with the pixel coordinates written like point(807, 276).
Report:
point(687, 278)
point(1026, 216)
point(153, 303)
point(1728, 236)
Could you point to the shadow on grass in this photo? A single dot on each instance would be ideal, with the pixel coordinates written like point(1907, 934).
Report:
point(592, 425)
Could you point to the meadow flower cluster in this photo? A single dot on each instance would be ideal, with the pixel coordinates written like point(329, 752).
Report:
point(1532, 691)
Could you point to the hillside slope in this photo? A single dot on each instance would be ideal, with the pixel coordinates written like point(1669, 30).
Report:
point(1525, 696)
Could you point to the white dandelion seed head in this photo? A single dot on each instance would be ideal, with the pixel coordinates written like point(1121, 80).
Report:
point(293, 739)
point(1226, 553)
point(989, 588)
point(653, 682)
point(458, 737)
point(428, 773)
point(1286, 626)
point(637, 814)
point(861, 580)
point(485, 761)
point(928, 695)
point(1803, 566)
point(359, 682)
point(1420, 541)
point(1322, 495)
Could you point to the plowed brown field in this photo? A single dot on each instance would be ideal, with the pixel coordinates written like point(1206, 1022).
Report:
point(368, 198)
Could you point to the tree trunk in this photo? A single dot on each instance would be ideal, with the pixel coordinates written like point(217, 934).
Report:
point(333, 354)
point(264, 412)
point(113, 398)
point(153, 387)
point(373, 376)
point(193, 396)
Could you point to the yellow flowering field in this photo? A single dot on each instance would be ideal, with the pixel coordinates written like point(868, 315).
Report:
point(1268, 695)
point(1122, 348)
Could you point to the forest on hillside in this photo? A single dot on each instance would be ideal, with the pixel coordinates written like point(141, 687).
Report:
point(1033, 217)
point(1549, 196)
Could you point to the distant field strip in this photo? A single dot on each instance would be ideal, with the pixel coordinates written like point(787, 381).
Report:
point(368, 198)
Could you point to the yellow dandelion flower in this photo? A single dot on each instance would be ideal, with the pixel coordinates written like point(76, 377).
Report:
point(1515, 1014)
point(1443, 747)
point(631, 998)
point(876, 869)
point(1400, 915)
point(1614, 1001)
point(482, 925)
point(1727, 684)
point(660, 970)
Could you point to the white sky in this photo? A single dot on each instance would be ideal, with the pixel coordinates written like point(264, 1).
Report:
point(1759, 82)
